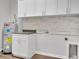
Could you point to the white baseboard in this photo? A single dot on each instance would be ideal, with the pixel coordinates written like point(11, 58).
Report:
point(51, 55)
point(16, 55)
point(0, 50)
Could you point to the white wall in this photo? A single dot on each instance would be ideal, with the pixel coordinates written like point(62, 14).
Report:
point(13, 6)
point(4, 11)
point(63, 25)
point(14, 9)
point(4, 15)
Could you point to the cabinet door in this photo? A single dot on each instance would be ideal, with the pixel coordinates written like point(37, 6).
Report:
point(40, 5)
point(15, 46)
point(19, 45)
point(31, 45)
point(52, 44)
point(23, 47)
point(62, 6)
point(58, 44)
point(21, 8)
point(74, 9)
point(30, 7)
point(42, 42)
point(26, 8)
point(51, 7)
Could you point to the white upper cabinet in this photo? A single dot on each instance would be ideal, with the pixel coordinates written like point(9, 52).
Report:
point(21, 8)
point(30, 7)
point(40, 7)
point(51, 7)
point(62, 6)
point(74, 8)
point(26, 8)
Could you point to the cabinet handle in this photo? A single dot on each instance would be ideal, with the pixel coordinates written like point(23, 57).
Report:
point(43, 13)
point(66, 39)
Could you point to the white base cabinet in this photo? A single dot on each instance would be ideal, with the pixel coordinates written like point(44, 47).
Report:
point(58, 45)
point(53, 45)
point(61, 46)
point(23, 45)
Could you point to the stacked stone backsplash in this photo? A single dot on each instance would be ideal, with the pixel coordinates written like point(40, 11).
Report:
point(56, 25)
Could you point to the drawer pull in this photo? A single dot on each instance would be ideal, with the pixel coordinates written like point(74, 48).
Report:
point(66, 39)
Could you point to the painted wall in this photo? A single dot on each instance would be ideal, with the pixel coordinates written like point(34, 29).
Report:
point(4, 15)
point(4, 11)
point(14, 9)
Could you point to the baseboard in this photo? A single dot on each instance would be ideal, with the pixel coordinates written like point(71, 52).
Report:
point(51, 55)
point(0, 50)
point(16, 55)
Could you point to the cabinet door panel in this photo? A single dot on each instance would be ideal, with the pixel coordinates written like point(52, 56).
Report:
point(15, 46)
point(51, 7)
point(59, 44)
point(30, 7)
point(40, 5)
point(62, 6)
point(23, 47)
point(74, 6)
point(26, 8)
point(53, 44)
point(21, 8)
